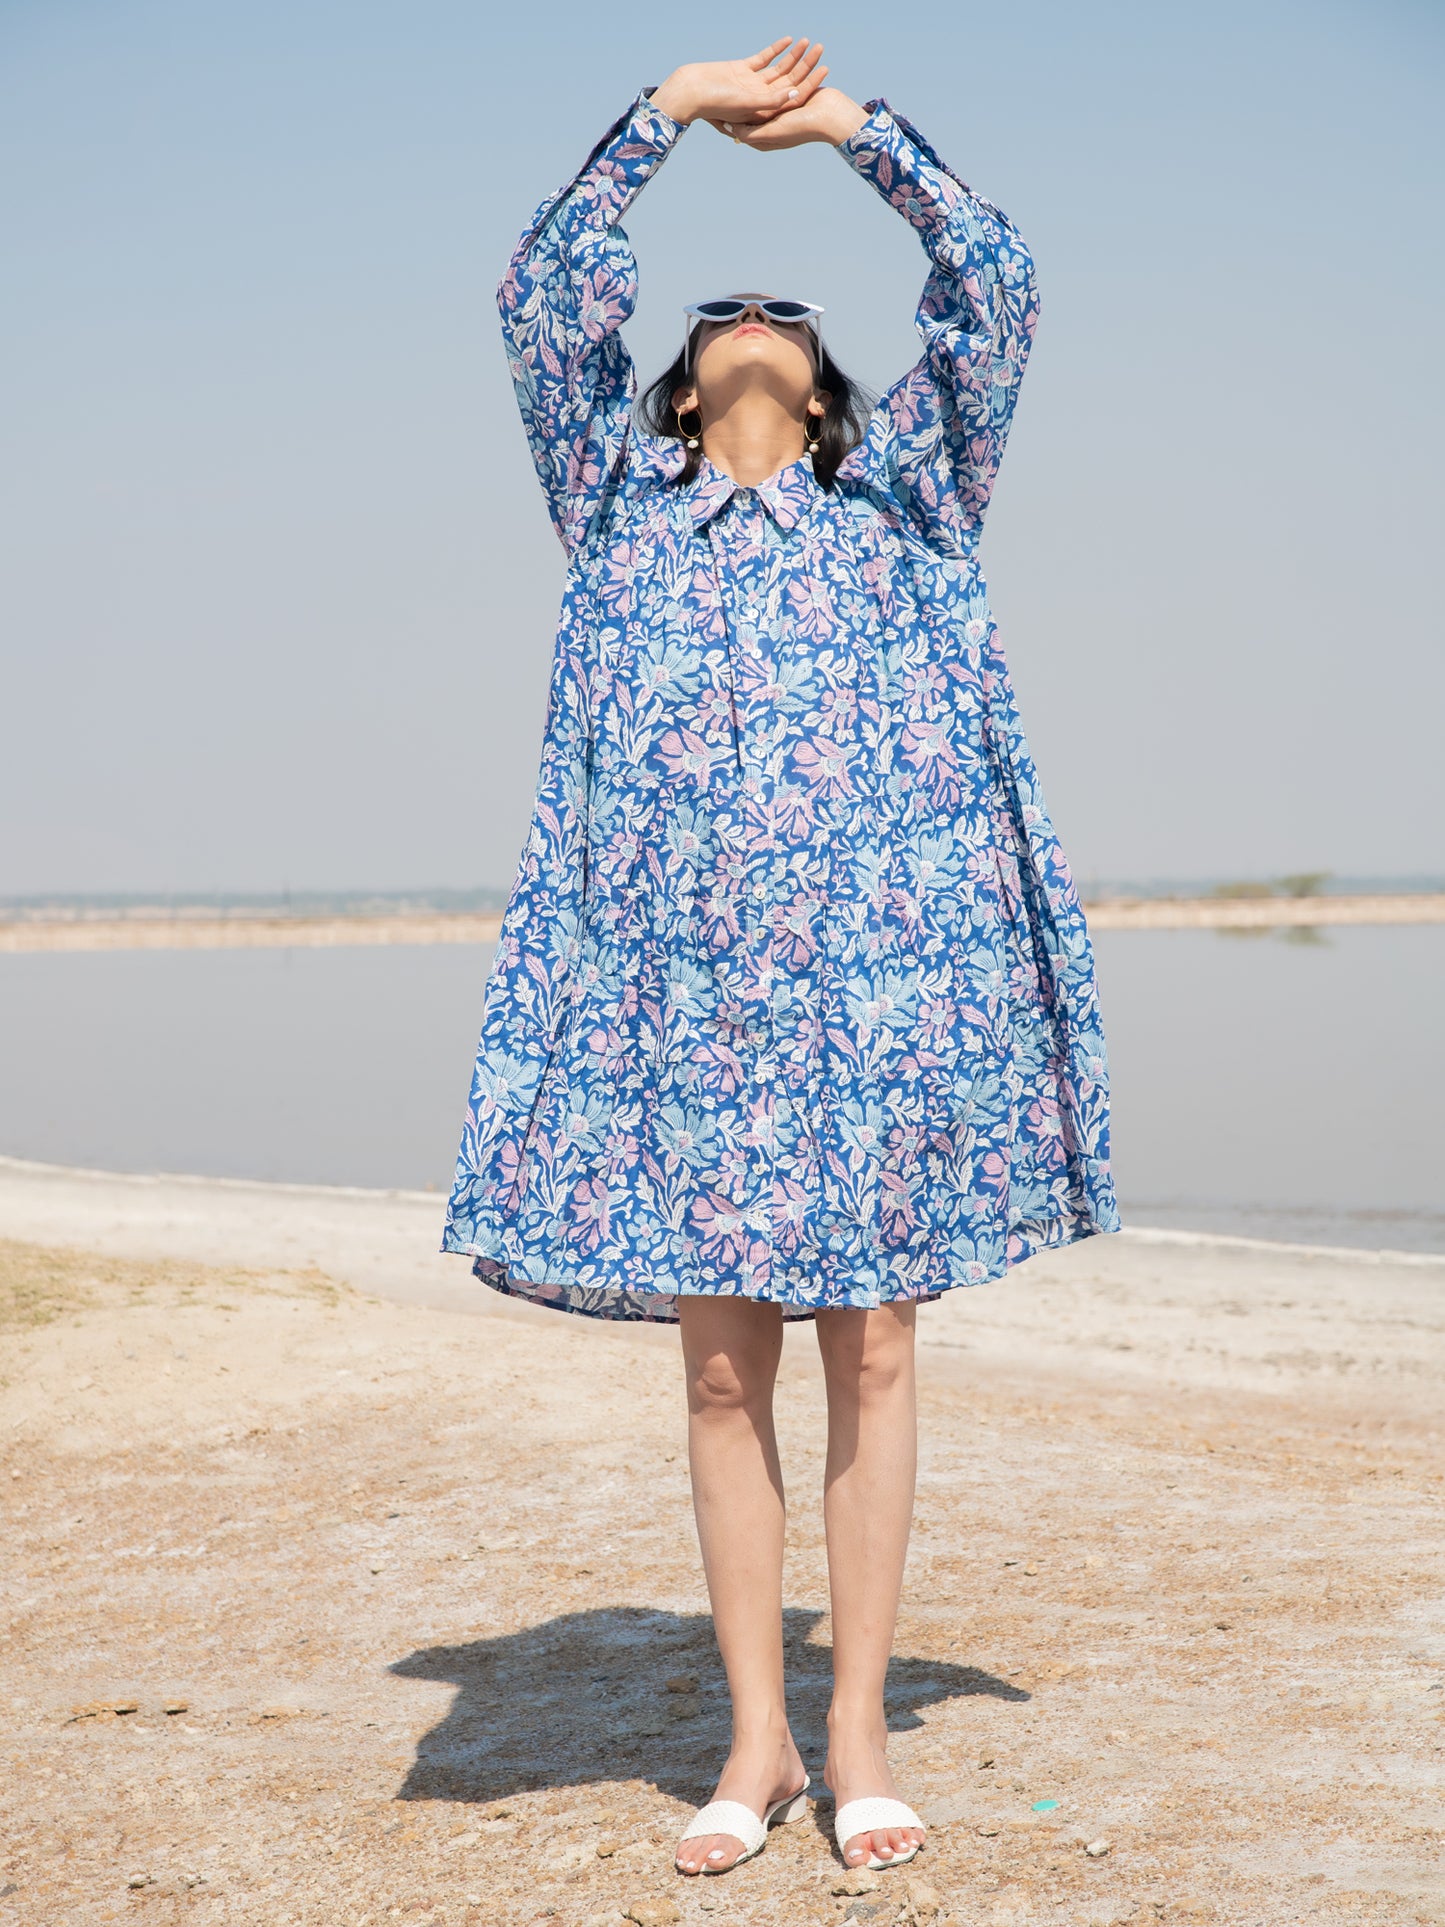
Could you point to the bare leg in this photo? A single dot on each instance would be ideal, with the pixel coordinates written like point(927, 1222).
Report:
point(731, 1348)
point(867, 1509)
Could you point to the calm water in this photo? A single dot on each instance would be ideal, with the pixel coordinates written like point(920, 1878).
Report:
point(1283, 1089)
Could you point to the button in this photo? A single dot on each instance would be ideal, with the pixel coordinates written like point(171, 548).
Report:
point(760, 889)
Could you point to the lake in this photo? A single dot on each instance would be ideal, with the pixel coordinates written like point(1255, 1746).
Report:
point(1281, 1089)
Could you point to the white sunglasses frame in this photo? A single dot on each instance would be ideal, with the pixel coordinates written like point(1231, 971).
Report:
point(808, 320)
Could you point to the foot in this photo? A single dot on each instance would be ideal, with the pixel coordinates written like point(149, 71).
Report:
point(857, 1769)
point(757, 1775)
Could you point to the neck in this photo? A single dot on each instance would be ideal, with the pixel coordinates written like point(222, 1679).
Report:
point(753, 438)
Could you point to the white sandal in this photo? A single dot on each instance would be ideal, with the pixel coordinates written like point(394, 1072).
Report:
point(732, 1817)
point(875, 1815)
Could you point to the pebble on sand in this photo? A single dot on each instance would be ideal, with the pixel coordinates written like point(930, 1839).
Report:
point(861, 1882)
point(1096, 1849)
point(654, 1913)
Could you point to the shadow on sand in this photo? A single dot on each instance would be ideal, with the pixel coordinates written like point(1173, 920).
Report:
point(583, 1698)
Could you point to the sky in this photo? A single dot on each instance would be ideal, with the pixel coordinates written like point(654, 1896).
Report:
point(277, 585)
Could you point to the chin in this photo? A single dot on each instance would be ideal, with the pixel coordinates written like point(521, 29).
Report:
point(755, 348)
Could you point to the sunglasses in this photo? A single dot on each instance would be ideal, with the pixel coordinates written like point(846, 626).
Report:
point(730, 307)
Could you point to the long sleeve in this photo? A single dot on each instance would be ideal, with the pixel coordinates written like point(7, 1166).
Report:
point(937, 436)
point(571, 283)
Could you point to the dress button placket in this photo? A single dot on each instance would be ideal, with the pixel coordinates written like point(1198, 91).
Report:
point(745, 562)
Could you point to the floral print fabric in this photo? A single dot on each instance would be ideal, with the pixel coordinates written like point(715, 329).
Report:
point(794, 997)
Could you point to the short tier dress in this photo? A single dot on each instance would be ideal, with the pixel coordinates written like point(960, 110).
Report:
point(794, 997)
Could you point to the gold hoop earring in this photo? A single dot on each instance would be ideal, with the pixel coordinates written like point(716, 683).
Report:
point(812, 429)
point(689, 435)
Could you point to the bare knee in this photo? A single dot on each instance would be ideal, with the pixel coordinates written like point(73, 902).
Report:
point(730, 1350)
point(883, 1371)
point(868, 1354)
point(724, 1384)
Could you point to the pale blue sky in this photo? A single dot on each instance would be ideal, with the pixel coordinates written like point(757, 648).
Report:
point(277, 589)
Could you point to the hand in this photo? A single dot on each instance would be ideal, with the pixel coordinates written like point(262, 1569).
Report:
point(825, 115)
point(745, 92)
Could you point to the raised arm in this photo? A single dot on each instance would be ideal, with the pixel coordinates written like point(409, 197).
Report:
point(937, 436)
point(572, 279)
point(571, 283)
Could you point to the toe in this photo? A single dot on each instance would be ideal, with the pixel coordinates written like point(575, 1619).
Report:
point(708, 1853)
point(890, 1843)
point(886, 1844)
point(692, 1854)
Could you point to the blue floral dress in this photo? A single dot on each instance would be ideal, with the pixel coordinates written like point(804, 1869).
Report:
point(794, 997)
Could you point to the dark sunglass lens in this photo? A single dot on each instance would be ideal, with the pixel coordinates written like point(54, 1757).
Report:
point(720, 310)
point(786, 310)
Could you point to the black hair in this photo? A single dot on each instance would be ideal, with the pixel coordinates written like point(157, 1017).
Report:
point(844, 419)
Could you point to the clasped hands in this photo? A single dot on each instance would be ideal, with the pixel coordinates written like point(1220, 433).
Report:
point(776, 98)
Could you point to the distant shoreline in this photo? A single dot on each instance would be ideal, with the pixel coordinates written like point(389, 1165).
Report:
point(213, 927)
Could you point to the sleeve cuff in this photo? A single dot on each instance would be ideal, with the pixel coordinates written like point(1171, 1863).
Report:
point(873, 133)
point(655, 120)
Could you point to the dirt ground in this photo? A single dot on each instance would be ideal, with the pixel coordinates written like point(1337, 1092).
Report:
point(326, 1609)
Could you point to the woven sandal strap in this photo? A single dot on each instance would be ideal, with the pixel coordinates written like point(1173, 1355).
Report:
point(727, 1816)
point(872, 1816)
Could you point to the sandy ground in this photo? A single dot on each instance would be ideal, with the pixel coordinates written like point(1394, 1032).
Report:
point(160, 929)
point(323, 1607)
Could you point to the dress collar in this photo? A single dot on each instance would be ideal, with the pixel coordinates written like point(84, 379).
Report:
point(786, 496)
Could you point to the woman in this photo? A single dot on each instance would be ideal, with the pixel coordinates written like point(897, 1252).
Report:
point(794, 1010)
